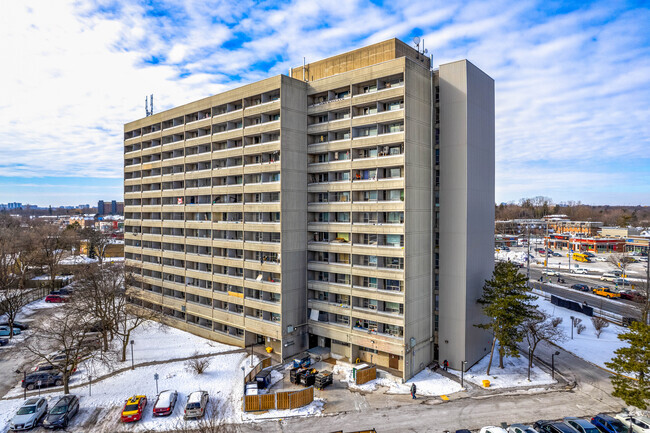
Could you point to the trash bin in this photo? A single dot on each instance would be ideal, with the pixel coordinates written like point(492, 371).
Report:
point(486, 383)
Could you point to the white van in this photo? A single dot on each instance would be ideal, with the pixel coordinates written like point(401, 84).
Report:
point(608, 276)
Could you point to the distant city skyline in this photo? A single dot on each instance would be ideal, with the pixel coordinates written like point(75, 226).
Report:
point(572, 82)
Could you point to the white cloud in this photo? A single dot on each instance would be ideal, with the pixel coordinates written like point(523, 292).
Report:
point(572, 88)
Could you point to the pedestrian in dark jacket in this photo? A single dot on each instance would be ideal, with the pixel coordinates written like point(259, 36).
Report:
point(413, 390)
point(445, 364)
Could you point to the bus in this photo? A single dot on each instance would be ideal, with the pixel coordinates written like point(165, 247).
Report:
point(579, 257)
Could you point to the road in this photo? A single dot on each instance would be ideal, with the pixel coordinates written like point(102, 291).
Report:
point(621, 307)
point(589, 397)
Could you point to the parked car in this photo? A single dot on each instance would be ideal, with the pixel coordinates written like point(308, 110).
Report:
point(601, 259)
point(20, 325)
point(5, 331)
point(580, 287)
point(165, 403)
point(550, 272)
point(29, 414)
point(608, 424)
point(196, 404)
point(587, 253)
point(62, 292)
point(553, 427)
point(52, 366)
point(556, 254)
point(520, 428)
point(63, 411)
point(636, 424)
point(46, 378)
point(56, 298)
point(581, 425)
point(133, 408)
point(582, 271)
point(4, 341)
point(606, 292)
point(633, 295)
point(492, 429)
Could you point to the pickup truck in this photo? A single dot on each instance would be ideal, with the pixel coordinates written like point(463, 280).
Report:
point(606, 292)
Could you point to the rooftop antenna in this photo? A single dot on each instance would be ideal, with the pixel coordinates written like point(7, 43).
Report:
point(151, 109)
point(146, 106)
point(416, 41)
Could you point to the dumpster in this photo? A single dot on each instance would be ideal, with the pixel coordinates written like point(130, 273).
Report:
point(263, 379)
point(302, 362)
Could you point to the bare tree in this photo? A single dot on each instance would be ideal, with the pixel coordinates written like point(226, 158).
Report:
point(580, 329)
point(196, 364)
point(61, 342)
point(13, 294)
point(212, 422)
point(53, 242)
point(540, 327)
point(620, 262)
point(99, 290)
point(599, 325)
point(555, 321)
point(127, 317)
point(97, 243)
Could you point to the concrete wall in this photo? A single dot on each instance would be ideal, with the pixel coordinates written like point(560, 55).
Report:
point(418, 308)
point(293, 179)
point(466, 208)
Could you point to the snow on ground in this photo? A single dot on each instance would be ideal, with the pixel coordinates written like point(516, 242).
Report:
point(223, 380)
point(153, 342)
point(312, 409)
point(427, 382)
point(585, 345)
point(513, 375)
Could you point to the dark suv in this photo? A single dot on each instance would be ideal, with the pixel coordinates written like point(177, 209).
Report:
point(552, 427)
point(581, 287)
point(46, 378)
point(608, 424)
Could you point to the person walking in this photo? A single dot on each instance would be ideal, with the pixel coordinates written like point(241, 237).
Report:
point(445, 365)
point(413, 390)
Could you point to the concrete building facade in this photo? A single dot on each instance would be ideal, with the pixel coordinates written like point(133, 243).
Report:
point(314, 210)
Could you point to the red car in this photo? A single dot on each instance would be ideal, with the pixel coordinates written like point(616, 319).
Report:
point(56, 298)
point(133, 408)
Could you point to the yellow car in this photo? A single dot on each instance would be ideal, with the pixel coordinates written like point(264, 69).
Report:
point(133, 408)
point(606, 292)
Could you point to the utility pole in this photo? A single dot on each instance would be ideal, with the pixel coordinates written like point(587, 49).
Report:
point(528, 256)
point(546, 243)
point(646, 312)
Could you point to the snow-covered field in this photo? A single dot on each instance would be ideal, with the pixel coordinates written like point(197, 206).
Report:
point(427, 382)
point(585, 345)
point(515, 373)
point(223, 380)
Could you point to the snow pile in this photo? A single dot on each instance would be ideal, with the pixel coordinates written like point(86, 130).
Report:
point(312, 409)
point(510, 256)
point(515, 373)
point(427, 382)
point(77, 260)
point(585, 345)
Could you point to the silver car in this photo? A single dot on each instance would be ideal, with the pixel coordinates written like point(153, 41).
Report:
point(29, 414)
point(581, 425)
point(196, 404)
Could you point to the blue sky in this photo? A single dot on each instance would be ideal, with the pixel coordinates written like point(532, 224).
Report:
point(572, 81)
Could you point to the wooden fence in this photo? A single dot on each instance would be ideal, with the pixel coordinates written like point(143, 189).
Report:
point(366, 375)
point(279, 400)
point(266, 362)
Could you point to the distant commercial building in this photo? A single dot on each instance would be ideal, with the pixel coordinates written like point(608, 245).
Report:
point(639, 244)
point(349, 205)
point(584, 243)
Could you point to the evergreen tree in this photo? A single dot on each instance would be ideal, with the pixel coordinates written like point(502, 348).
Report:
point(507, 303)
point(631, 361)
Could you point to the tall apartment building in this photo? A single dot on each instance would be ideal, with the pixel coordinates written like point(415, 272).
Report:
point(349, 205)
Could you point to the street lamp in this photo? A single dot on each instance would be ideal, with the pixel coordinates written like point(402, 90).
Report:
point(462, 374)
point(132, 362)
point(529, 362)
point(572, 323)
point(553, 355)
